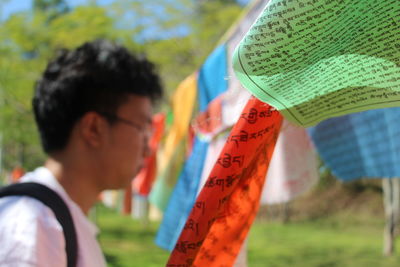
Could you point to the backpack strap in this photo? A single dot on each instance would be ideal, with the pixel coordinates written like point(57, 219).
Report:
point(52, 200)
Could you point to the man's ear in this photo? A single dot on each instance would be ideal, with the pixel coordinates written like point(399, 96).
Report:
point(92, 129)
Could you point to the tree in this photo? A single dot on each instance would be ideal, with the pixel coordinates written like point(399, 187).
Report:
point(181, 34)
point(29, 40)
point(176, 34)
point(53, 8)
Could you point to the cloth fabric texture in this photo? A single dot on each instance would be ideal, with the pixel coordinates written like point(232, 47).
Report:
point(30, 234)
point(212, 79)
point(170, 159)
point(57, 205)
point(183, 197)
point(226, 207)
point(360, 145)
point(294, 167)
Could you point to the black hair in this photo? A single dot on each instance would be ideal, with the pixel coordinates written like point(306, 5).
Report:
point(96, 76)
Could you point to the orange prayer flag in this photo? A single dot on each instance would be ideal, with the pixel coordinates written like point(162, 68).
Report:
point(229, 200)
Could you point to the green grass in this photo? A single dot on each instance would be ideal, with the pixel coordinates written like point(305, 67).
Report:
point(343, 240)
point(329, 242)
point(127, 242)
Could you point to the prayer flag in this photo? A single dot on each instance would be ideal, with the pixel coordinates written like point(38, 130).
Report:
point(358, 145)
point(293, 169)
point(212, 77)
point(314, 60)
point(144, 180)
point(223, 212)
point(172, 153)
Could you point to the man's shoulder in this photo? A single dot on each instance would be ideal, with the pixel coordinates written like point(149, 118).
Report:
point(29, 233)
point(18, 211)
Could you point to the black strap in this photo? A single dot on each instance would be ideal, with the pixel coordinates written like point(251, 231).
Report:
point(52, 200)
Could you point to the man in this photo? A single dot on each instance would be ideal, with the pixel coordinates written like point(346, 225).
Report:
point(93, 109)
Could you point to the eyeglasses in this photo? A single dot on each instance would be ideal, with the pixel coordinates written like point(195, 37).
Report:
point(113, 117)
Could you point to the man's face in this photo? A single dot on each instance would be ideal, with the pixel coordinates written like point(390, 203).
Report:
point(127, 142)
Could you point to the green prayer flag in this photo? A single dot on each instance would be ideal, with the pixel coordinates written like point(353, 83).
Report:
point(316, 59)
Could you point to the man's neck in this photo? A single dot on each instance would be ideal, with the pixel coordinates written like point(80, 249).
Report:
point(76, 179)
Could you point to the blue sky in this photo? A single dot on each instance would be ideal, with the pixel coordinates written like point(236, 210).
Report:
point(19, 5)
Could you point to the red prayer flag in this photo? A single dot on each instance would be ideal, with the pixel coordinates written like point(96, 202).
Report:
point(228, 203)
point(145, 178)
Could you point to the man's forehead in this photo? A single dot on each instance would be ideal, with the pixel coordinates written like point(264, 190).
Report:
point(138, 106)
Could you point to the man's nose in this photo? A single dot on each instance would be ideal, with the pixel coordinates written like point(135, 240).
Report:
point(146, 149)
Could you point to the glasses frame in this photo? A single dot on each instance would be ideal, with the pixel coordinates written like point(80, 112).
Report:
point(113, 118)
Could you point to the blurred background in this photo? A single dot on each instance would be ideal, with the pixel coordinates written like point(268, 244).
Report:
point(177, 35)
point(333, 224)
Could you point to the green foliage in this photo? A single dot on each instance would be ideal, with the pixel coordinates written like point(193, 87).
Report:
point(177, 35)
point(46, 5)
point(52, 8)
point(326, 178)
point(181, 33)
point(30, 39)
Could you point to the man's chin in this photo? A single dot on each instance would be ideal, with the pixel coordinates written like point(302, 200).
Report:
point(121, 185)
point(136, 172)
point(126, 181)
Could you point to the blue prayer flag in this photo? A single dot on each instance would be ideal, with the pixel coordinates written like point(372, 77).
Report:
point(361, 145)
point(212, 80)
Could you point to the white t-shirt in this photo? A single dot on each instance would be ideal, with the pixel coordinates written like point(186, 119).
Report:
point(30, 234)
